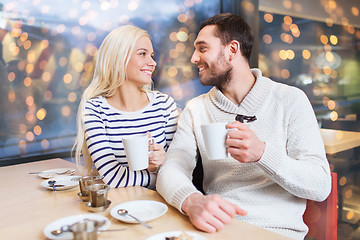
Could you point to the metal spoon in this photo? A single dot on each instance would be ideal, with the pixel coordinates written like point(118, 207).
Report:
point(52, 184)
point(57, 232)
point(70, 171)
point(125, 212)
point(60, 231)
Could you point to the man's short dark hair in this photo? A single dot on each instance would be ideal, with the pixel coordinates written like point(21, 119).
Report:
point(232, 27)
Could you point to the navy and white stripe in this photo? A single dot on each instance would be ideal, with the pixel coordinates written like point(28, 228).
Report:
point(105, 126)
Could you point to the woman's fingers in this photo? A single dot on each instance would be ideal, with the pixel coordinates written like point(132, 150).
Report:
point(157, 155)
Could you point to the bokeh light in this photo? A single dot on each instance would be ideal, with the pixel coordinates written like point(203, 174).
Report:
point(288, 20)
point(37, 130)
point(182, 18)
point(11, 96)
point(72, 96)
point(285, 73)
point(334, 116)
point(290, 54)
point(46, 76)
point(331, 104)
point(268, 17)
point(355, 11)
point(172, 71)
point(306, 54)
point(324, 39)
point(182, 36)
point(45, 144)
point(11, 76)
point(333, 40)
point(287, 4)
point(29, 101)
point(30, 136)
point(67, 78)
point(41, 114)
point(267, 39)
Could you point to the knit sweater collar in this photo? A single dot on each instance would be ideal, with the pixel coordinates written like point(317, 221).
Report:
point(252, 102)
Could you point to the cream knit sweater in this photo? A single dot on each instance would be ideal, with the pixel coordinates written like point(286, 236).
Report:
point(273, 190)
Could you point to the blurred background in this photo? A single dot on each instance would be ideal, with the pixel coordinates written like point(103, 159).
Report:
point(48, 50)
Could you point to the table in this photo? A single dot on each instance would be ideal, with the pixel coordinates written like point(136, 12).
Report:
point(337, 140)
point(26, 208)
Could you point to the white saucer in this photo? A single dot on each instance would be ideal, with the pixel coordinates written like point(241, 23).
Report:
point(162, 236)
point(55, 172)
point(145, 210)
point(68, 182)
point(70, 220)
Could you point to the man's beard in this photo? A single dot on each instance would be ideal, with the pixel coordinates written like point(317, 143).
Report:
point(215, 77)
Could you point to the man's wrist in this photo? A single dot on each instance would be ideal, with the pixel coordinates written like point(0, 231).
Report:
point(188, 201)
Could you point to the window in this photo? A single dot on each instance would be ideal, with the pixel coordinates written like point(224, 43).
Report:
point(321, 58)
point(47, 55)
point(315, 46)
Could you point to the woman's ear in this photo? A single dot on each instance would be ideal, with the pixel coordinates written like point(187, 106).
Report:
point(234, 49)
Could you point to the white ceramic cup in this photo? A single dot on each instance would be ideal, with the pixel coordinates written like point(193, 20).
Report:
point(215, 135)
point(137, 151)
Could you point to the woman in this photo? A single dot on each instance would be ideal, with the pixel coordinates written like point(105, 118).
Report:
point(116, 105)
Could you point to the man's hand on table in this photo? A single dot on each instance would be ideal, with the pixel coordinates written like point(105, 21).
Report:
point(210, 213)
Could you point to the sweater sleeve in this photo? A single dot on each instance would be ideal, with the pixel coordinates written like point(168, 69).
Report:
point(115, 173)
point(172, 116)
point(175, 175)
point(302, 169)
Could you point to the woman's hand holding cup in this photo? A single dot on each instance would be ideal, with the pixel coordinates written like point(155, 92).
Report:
point(157, 155)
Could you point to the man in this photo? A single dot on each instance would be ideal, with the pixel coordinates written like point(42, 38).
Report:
point(277, 161)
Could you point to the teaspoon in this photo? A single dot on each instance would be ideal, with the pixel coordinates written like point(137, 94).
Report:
point(52, 184)
point(125, 212)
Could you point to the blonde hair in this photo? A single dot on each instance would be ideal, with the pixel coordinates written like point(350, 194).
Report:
point(110, 72)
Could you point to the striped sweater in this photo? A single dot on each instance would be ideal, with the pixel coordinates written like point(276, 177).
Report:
point(105, 126)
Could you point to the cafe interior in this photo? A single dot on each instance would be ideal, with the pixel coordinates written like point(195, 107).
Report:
point(47, 55)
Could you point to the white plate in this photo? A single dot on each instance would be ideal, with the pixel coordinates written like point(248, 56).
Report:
point(162, 236)
point(145, 210)
point(67, 181)
point(70, 220)
point(55, 172)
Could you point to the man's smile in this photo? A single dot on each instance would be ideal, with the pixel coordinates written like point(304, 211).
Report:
point(201, 69)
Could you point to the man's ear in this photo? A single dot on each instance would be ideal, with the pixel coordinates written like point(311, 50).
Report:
point(234, 49)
